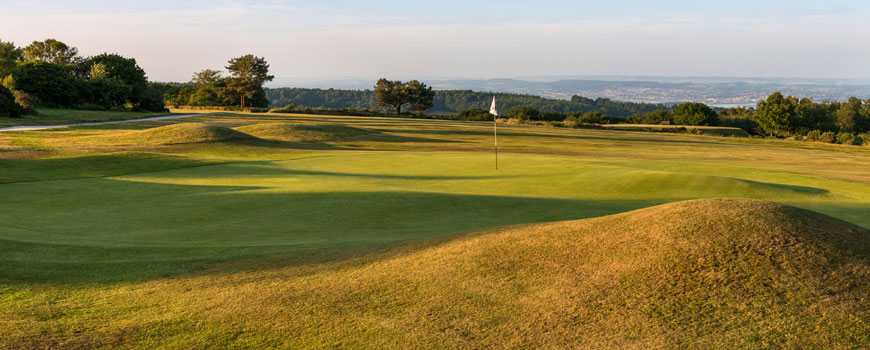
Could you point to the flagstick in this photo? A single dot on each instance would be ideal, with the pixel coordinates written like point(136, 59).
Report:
point(495, 138)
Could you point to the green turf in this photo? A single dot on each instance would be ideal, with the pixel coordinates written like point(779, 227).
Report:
point(91, 211)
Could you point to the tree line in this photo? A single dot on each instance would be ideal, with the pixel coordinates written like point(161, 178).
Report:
point(452, 102)
point(51, 73)
point(243, 86)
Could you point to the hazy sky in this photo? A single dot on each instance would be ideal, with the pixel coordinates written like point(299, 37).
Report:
point(483, 39)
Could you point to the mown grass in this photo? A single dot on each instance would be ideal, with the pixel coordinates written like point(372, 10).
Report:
point(263, 241)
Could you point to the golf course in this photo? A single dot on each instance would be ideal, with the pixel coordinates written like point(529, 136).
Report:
point(273, 230)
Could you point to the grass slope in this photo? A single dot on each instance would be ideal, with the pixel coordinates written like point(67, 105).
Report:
point(302, 132)
point(178, 134)
point(714, 273)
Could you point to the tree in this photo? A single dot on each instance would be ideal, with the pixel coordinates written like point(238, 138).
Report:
point(396, 94)
point(594, 117)
point(249, 73)
point(852, 116)
point(49, 82)
point(118, 67)
point(392, 93)
point(523, 113)
point(9, 56)
point(206, 77)
point(475, 114)
point(776, 115)
point(692, 113)
point(52, 51)
point(420, 95)
point(8, 106)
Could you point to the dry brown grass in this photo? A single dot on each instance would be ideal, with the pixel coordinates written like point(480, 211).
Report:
point(716, 273)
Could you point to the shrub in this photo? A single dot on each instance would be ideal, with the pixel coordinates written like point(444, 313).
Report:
point(695, 114)
point(8, 106)
point(286, 109)
point(743, 123)
point(846, 138)
point(51, 83)
point(475, 114)
point(814, 136)
point(593, 118)
point(523, 113)
point(828, 137)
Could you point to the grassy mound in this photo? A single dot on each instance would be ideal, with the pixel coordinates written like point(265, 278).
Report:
point(302, 132)
point(699, 274)
point(179, 134)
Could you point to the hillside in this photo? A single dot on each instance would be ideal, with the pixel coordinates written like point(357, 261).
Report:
point(453, 101)
point(713, 273)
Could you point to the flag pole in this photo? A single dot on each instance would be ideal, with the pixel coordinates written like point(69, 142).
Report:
point(494, 112)
point(495, 138)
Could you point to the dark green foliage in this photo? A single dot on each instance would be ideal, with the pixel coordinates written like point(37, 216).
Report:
point(8, 106)
point(52, 51)
point(738, 118)
point(249, 73)
point(420, 94)
point(776, 115)
point(124, 69)
point(592, 118)
point(523, 113)
point(474, 114)
point(9, 55)
point(396, 94)
point(654, 117)
point(845, 138)
point(51, 83)
point(453, 101)
point(697, 114)
point(106, 92)
point(853, 116)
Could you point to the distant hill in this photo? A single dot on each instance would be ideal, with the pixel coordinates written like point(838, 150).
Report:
point(453, 101)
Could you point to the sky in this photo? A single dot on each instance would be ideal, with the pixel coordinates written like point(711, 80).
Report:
point(318, 39)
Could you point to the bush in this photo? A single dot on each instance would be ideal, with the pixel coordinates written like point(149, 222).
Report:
point(474, 114)
point(814, 136)
point(523, 113)
point(743, 123)
point(8, 106)
point(828, 137)
point(697, 114)
point(285, 109)
point(51, 83)
point(26, 101)
point(845, 138)
point(592, 118)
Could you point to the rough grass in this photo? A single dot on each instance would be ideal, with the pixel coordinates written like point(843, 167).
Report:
point(716, 273)
point(177, 134)
point(302, 132)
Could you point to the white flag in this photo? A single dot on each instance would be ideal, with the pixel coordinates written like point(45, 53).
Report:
point(492, 109)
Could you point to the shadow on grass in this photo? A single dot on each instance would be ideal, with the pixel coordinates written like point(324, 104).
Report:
point(118, 231)
point(122, 163)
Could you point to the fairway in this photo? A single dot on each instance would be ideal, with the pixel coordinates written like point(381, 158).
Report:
point(91, 214)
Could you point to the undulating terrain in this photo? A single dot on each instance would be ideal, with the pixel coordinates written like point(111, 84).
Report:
point(297, 231)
